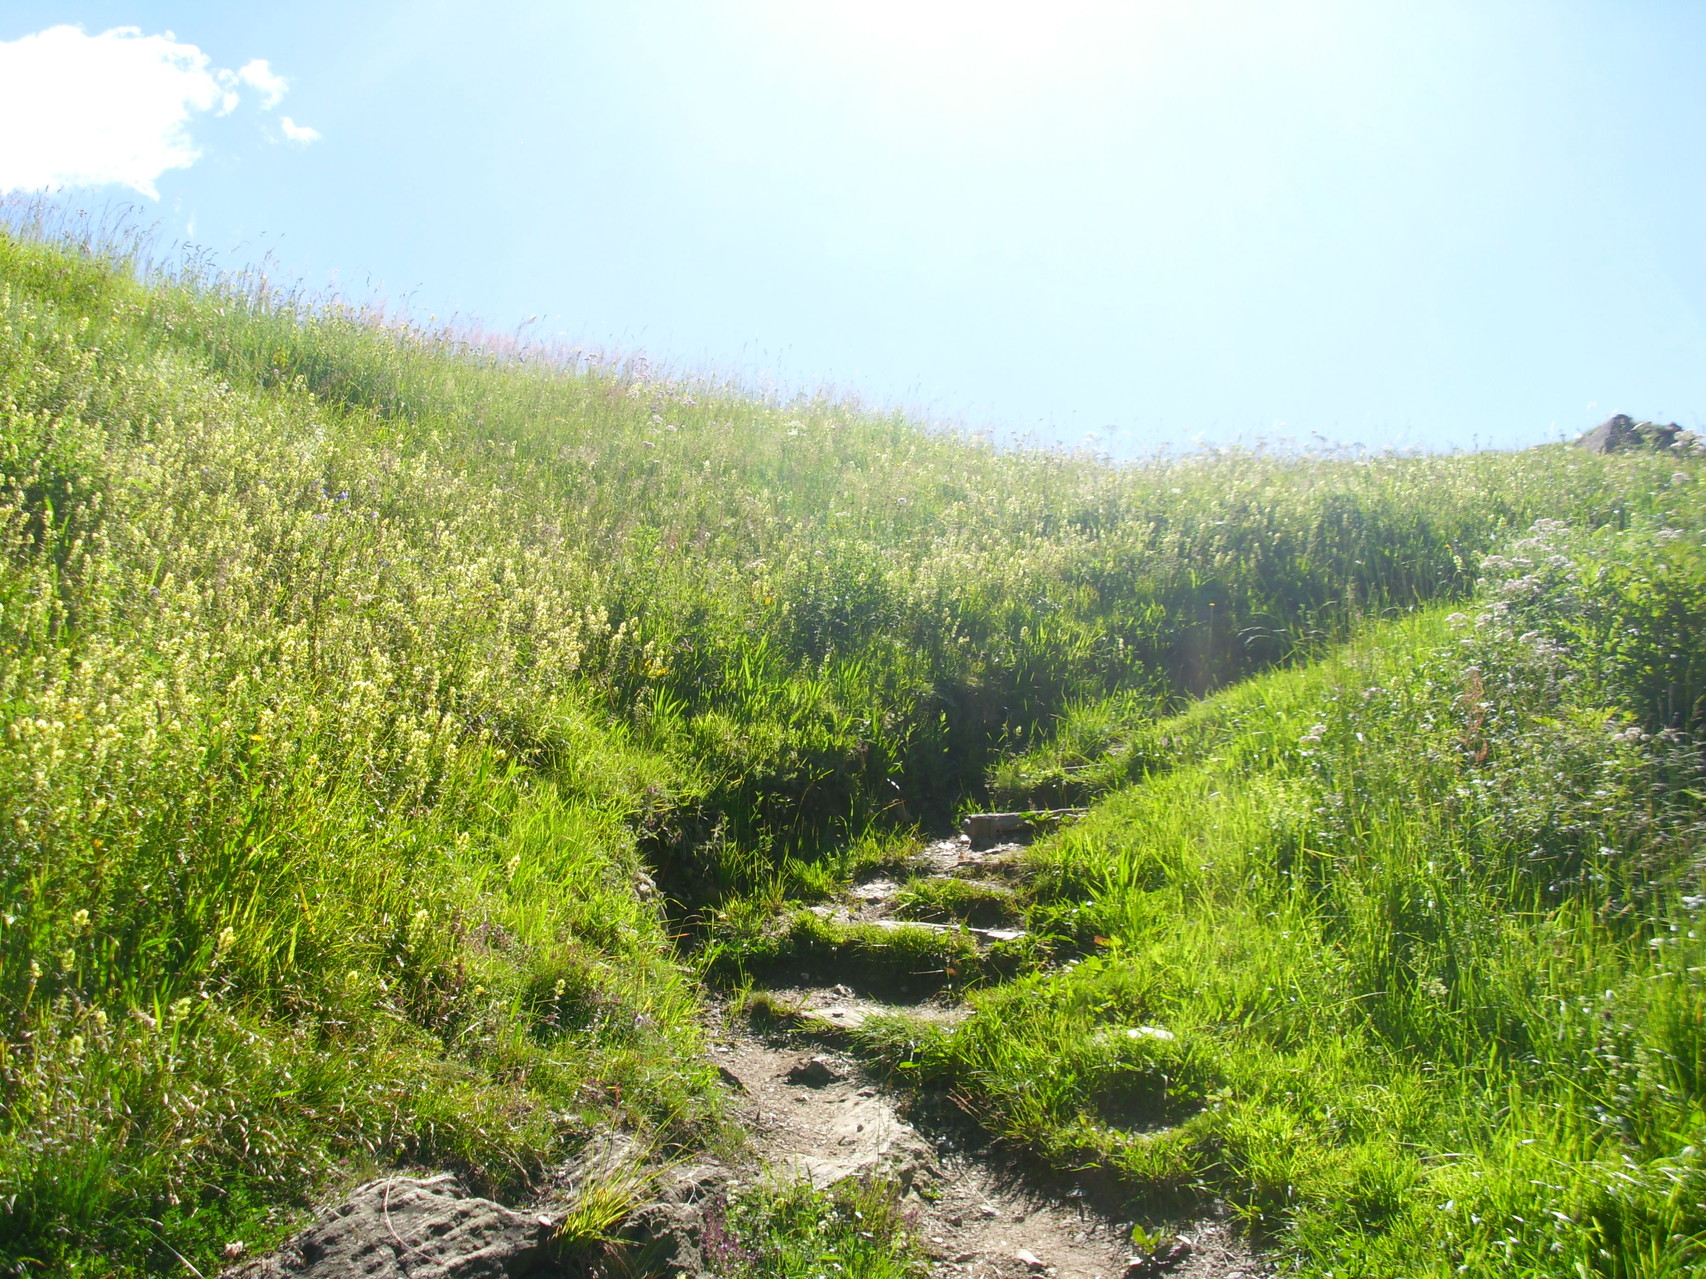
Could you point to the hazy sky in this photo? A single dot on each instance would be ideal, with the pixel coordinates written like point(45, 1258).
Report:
point(1431, 223)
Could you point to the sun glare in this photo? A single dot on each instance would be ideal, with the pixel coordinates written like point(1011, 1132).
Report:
point(972, 55)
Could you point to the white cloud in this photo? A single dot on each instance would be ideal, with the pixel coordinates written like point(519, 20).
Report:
point(257, 74)
point(299, 133)
point(114, 108)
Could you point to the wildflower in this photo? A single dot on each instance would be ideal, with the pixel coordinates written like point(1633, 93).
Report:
point(227, 939)
point(1149, 1032)
point(67, 960)
point(35, 971)
point(80, 920)
point(181, 1008)
point(74, 1047)
point(99, 1017)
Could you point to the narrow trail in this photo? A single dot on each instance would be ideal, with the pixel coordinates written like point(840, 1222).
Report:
point(812, 1111)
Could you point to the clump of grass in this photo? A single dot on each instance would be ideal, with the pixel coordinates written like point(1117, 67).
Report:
point(962, 900)
point(857, 1228)
point(766, 1010)
point(806, 948)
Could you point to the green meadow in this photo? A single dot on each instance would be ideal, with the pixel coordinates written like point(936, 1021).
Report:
point(406, 734)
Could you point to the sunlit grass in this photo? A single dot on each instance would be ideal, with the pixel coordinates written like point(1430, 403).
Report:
point(360, 681)
point(1402, 952)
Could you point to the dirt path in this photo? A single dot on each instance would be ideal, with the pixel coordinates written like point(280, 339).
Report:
point(814, 1112)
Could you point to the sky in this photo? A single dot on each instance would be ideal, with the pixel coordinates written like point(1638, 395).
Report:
point(1126, 226)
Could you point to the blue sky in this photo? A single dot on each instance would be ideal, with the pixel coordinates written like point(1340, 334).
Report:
point(1432, 224)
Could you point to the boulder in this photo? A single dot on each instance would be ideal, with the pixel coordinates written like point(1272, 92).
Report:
point(412, 1228)
point(667, 1239)
point(1622, 433)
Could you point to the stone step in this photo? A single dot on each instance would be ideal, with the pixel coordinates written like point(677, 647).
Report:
point(838, 915)
point(984, 829)
point(839, 1009)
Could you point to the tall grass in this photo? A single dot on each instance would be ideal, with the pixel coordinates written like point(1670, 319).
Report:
point(358, 679)
point(1402, 953)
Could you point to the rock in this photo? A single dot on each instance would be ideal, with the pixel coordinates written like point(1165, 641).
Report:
point(697, 1183)
point(984, 829)
point(1160, 1261)
point(869, 1139)
point(667, 1239)
point(1030, 1260)
point(875, 890)
point(1623, 433)
point(729, 1078)
point(816, 1072)
point(845, 1018)
point(412, 1228)
point(667, 1236)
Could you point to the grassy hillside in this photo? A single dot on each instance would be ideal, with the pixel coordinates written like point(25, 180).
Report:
point(360, 683)
point(1402, 952)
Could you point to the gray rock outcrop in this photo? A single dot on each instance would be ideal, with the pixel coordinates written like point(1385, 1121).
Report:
point(412, 1228)
point(1623, 434)
point(668, 1237)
